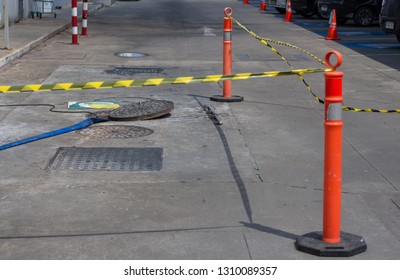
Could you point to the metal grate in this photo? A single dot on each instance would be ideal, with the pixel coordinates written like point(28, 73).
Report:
point(107, 159)
point(129, 71)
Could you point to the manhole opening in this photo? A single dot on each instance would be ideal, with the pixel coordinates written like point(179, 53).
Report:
point(128, 71)
point(131, 54)
point(107, 159)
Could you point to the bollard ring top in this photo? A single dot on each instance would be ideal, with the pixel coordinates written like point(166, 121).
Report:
point(338, 57)
point(228, 11)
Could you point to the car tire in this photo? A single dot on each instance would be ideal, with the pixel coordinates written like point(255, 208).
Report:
point(281, 10)
point(364, 16)
point(320, 14)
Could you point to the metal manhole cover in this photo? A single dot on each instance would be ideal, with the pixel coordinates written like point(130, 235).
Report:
point(107, 159)
point(115, 131)
point(129, 71)
point(131, 54)
point(142, 110)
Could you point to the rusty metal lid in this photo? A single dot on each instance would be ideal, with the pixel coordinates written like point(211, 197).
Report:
point(144, 110)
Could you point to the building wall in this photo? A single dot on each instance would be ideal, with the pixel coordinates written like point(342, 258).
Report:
point(17, 8)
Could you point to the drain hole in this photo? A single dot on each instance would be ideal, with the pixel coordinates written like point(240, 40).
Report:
point(131, 54)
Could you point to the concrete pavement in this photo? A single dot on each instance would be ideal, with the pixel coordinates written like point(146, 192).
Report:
point(243, 190)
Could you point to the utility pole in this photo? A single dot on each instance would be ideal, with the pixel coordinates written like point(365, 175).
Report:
point(6, 45)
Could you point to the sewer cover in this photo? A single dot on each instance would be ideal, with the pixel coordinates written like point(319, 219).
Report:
point(115, 131)
point(107, 159)
point(145, 110)
point(129, 71)
point(131, 54)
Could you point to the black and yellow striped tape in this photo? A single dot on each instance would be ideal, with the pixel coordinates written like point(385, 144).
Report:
point(154, 81)
point(266, 42)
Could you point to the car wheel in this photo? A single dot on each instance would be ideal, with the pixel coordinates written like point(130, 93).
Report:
point(364, 16)
point(281, 10)
point(322, 14)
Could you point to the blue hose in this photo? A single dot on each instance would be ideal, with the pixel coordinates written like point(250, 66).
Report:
point(84, 124)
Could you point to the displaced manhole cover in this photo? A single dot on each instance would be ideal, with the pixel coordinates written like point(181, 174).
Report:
point(115, 131)
point(142, 110)
point(131, 54)
point(128, 71)
point(107, 159)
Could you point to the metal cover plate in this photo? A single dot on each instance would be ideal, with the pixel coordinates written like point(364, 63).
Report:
point(142, 110)
point(107, 159)
point(129, 71)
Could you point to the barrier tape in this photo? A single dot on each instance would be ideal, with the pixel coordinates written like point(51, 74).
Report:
point(266, 41)
point(154, 81)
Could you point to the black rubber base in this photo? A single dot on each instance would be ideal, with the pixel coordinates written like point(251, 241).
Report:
point(349, 245)
point(220, 98)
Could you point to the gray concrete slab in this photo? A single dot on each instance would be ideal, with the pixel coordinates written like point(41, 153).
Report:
point(243, 190)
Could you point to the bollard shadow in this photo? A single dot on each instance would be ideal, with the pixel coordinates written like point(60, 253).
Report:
point(270, 230)
point(234, 170)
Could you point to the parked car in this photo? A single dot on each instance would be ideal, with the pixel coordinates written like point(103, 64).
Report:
point(389, 18)
point(363, 12)
point(280, 5)
point(307, 8)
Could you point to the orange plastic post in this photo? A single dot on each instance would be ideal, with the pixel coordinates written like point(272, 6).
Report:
point(227, 62)
point(227, 54)
point(333, 152)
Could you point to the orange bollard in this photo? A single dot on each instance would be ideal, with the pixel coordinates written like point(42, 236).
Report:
point(333, 156)
point(332, 32)
point(288, 15)
point(227, 61)
point(331, 242)
point(263, 5)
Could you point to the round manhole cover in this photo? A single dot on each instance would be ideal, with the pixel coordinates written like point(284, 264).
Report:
point(115, 131)
point(131, 54)
point(142, 110)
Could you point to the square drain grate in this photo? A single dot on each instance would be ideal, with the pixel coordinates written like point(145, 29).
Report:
point(107, 159)
point(129, 71)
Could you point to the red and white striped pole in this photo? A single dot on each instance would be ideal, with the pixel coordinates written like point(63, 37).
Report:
point(85, 16)
point(74, 23)
point(227, 61)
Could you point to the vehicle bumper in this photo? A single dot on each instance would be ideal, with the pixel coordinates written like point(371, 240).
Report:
point(390, 24)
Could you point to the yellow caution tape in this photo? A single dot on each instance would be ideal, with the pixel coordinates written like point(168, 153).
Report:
point(266, 41)
point(154, 81)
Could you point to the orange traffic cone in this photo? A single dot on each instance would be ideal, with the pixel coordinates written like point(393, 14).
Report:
point(263, 6)
point(288, 15)
point(332, 32)
point(245, 1)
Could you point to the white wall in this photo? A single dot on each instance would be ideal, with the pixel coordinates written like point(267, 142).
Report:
point(13, 10)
